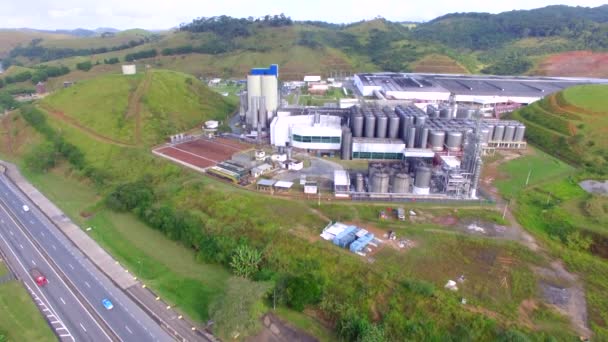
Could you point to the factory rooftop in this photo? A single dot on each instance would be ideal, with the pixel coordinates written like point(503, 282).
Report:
point(466, 88)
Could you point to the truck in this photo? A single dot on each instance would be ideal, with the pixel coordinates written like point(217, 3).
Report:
point(39, 278)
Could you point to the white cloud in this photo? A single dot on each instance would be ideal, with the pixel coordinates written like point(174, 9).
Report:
point(62, 13)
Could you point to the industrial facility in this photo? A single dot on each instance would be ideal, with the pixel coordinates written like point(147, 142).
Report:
point(262, 98)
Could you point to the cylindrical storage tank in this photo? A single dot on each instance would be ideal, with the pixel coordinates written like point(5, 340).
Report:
point(411, 137)
point(373, 168)
point(454, 141)
point(423, 177)
point(491, 132)
point(437, 139)
point(444, 113)
point(270, 90)
point(424, 138)
point(420, 120)
point(509, 133)
point(401, 183)
point(358, 121)
point(485, 135)
point(370, 126)
point(347, 144)
point(499, 132)
point(380, 182)
point(381, 126)
point(431, 110)
point(393, 127)
point(254, 90)
point(359, 183)
point(520, 132)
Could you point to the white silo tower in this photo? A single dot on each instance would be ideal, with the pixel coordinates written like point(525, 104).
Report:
point(270, 89)
point(254, 89)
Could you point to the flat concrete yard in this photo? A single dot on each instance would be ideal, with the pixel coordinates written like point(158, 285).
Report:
point(200, 153)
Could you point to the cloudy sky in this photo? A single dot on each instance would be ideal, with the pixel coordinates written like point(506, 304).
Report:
point(161, 14)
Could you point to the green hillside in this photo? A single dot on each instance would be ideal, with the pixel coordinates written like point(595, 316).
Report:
point(138, 109)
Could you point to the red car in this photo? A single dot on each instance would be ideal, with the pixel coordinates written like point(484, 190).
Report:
point(39, 278)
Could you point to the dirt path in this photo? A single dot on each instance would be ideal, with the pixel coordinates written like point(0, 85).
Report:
point(573, 303)
point(74, 123)
point(134, 108)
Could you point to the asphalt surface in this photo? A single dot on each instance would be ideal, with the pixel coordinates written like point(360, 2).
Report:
point(31, 239)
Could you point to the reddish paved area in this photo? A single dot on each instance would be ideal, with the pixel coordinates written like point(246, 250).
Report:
point(203, 153)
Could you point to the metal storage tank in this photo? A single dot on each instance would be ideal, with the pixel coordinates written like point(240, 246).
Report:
point(270, 90)
point(393, 126)
point(444, 113)
point(262, 112)
point(373, 168)
point(509, 133)
point(411, 137)
point(420, 120)
point(491, 132)
point(347, 144)
point(424, 138)
point(437, 139)
point(359, 183)
point(370, 126)
point(520, 132)
point(358, 121)
point(401, 183)
point(254, 90)
point(454, 141)
point(381, 126)
point(423, 177)
point(380, 182)
point(499, 132)
point(485, 135)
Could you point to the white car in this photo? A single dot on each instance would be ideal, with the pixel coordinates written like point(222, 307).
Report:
point(26, 208)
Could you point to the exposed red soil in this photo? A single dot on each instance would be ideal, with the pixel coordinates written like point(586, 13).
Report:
point(203, 153)
point(575, 63)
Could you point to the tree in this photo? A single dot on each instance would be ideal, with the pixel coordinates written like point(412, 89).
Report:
point(303, 290)
point(41, 158)
point(246, 261)
point(84, 66)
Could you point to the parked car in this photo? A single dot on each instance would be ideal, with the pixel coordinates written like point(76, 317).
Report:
point(26, 208)
point(39, 278)
point(107, 304)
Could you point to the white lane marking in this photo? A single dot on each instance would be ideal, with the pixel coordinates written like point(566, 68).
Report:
point(54, 322)
point(129, 330)
point(61, 299)
point(11, 232)
point(33, 262)
point(72, 267)
point(83, 328)
point(87, 284)
point(20, 245)
point(55, 248)
point(65, 335)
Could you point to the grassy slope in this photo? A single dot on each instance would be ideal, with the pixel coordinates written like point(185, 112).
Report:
point(590, 97)
point(9, 39)
point(97, 42)
point(19, 317)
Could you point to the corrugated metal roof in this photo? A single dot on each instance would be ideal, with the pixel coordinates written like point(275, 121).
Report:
point(266, 182)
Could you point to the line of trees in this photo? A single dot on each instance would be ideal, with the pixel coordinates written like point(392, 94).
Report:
point(141, 54)
point(39, 74)
point(229, 27)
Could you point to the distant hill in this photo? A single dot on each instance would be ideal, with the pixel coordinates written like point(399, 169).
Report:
point(515, 42)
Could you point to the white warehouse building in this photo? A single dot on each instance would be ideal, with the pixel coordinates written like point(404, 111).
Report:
point(309, 132)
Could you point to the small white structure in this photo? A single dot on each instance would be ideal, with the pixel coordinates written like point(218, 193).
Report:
point(211, 124)
point(129, 69)
point(295, 165)
point(279, 157)
point(260, 155)
point(311, 188)
point(260, 170)
point(451, 285)
point(283, 185)
point(311, 78)
point(341, 183)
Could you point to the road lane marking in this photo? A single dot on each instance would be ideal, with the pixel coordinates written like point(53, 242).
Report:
point(53, 322)
point(63, 301)
point(10, 231)
point(129, 330)
point(72, 267)
point(83, 328)
point(87, 284)
point(33, 262)
point(20, 245)
point(55, 248)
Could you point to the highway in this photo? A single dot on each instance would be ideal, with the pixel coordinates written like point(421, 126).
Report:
point(72, 300)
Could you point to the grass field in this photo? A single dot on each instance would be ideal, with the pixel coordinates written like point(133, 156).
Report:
point(441, 64)
point(20, 320)
point(591, 97)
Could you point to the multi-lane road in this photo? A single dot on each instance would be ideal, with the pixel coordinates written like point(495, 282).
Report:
point(72, 300)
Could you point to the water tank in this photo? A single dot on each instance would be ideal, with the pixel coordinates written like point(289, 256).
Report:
point(381, 126)
point(424, 138)
point(444, 113)
point(347, 144)
point(420, 120)
point(357, 121)
point(520, 131)
point(491, 132)
point(411, 137)
point(380, 182)
point(454, 141)
point(370, 126)
point(509, 133)
point(485, 135)
point(401, 183)
point(423, 177)
point(499, 131)
point(359, 183)
point(437, 139)
point(393, 126)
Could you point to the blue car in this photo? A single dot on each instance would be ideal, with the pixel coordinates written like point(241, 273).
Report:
point(107, 304)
